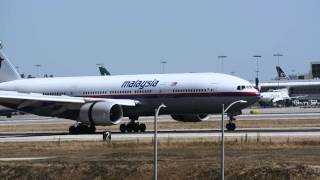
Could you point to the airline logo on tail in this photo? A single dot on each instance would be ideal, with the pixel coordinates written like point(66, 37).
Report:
point(281, 73)
point(104, 71)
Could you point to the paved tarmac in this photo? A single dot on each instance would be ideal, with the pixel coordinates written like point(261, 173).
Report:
point(187, 134)
point(274, 134)
point(294, 113)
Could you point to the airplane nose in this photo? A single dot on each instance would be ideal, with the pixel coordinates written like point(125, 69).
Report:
point(254, 98)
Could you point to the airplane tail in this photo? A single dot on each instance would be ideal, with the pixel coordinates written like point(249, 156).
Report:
point(257, 84)
point(7, 70)
point(104, 71)
point(281, 73)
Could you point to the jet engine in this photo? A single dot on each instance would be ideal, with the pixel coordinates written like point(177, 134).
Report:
point(190, 117)
point(101, 113)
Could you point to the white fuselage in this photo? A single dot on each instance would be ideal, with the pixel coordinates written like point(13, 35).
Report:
point(181, 93)
point(275, 95)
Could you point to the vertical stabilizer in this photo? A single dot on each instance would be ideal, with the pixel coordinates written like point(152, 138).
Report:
point(281, 73)
point(7, 70)
point(104, 71)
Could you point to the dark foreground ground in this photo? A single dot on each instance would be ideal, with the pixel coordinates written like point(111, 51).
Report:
point(177, 160)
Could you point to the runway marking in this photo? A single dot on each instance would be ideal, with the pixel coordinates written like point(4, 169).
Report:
point(25, 158)
point(296, 133)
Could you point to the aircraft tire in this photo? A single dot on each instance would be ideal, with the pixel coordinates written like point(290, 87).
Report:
point(129, 127)
point(136, 127)
point(231, 126)
point(72, 130)
point(91, 129)
point(142, 127)
point(123, 128)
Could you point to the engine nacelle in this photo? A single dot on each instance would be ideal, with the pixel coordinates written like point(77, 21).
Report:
point(101, 113)
point(190, 117)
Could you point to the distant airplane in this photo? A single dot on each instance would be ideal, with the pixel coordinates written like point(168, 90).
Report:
point(99, 101)
point(104, 71)
point(277, 97)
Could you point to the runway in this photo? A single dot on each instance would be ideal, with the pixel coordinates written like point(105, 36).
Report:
point(30, 119)
point(189, 134)
point(292, 133)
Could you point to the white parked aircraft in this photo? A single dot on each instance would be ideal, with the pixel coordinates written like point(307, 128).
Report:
point(277, 97)
point(273, 97)
point(99, 101)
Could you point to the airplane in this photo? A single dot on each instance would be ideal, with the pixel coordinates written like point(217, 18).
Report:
point(276, 97)
point(97, 101)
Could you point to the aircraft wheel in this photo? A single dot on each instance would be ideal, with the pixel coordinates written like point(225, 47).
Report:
point(136, 127)
point(72, 130)
point(123, 128)
point(142, 127)
point(130, 127)
point(231, 126)
point(91, 129)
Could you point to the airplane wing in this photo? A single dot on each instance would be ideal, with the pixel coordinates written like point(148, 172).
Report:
point(54, 106)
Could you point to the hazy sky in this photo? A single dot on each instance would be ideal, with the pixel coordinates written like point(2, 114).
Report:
point(68, 37)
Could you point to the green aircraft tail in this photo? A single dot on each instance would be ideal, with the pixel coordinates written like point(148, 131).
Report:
point(104, 71)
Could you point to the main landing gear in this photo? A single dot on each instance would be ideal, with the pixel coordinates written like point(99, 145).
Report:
point(133, 126)
point(231, 126)
point(80, 128)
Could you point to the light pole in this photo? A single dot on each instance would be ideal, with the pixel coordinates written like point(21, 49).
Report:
point(293, 74)
point(100, 64)
point(257, 59)
point(222, 133)
point(155, 142)
point(163, 65)
point(222, 58)
point(278, 55)
point(37, 66)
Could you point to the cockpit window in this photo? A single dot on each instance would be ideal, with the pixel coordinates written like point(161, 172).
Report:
point(241, 87)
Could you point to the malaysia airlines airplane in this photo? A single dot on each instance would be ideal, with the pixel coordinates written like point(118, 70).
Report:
point(99, 101)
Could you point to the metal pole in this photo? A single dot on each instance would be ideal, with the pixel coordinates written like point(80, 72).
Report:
point(222, 133)
point(222, 65)
point(155, 149)
point(257, 59)
point(155, 142)
point(222, 143)
point(163, 66)
point(278, 59)
point(37, 66)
